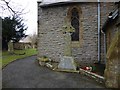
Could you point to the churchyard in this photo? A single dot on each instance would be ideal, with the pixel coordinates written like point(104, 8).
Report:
point(74, 37)
point(19, 54)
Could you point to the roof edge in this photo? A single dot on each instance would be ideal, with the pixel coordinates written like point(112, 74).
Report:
point(55, 4)
point(61, 3)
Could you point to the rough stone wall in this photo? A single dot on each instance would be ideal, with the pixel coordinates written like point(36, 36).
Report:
point(51, 39)
point(22, 45)
point(86, 54)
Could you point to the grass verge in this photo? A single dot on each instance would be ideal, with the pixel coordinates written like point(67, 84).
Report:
point(7, 58)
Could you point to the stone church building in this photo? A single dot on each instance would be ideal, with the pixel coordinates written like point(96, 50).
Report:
point(78, 29)
point(83, 17)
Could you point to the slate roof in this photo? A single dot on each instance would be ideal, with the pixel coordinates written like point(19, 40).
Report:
point(59, 2)
point(25, 40)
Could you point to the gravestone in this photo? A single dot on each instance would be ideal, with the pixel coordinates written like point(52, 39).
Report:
point(10, 47)
point(67, 63)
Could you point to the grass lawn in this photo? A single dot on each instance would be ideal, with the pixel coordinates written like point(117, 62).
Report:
point(7, 58)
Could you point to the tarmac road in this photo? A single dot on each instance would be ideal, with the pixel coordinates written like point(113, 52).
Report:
point(26, 73)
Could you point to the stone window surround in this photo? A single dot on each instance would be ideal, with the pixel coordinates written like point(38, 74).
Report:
point(69, 14)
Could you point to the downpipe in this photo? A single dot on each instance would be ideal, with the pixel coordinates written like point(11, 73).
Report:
point(98, 31)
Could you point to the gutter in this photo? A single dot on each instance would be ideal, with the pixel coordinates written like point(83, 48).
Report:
point(98, 31)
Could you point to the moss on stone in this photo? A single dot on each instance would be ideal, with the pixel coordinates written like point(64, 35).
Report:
point(44, 59)
point(114, 47)
point(68, 28)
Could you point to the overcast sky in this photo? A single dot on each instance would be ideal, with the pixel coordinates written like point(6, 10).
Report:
point(31, 15)
point(30, 7)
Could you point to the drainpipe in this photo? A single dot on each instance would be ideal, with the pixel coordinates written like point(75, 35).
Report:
point(98, 31)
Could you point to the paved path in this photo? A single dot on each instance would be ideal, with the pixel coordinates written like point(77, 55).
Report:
point(26, 73)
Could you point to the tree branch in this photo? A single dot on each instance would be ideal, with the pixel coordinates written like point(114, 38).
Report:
point(11, 10)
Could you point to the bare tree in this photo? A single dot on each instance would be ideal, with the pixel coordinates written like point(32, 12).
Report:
point(33, 39)
point(15, 10)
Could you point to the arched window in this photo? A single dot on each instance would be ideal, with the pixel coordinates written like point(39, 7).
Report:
point(75, 24)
